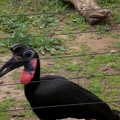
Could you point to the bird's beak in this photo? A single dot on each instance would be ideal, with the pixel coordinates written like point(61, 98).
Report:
point(10, 65)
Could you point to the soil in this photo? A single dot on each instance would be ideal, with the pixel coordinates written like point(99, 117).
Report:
point(96, 42)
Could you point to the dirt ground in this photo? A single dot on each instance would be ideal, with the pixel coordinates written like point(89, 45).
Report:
point(97, 43)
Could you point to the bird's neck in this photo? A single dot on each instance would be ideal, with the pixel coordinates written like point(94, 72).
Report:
point(35, 81)
point(37, 73)
point(32, 86)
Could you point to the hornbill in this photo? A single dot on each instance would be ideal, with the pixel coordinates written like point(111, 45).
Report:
point(54, 97)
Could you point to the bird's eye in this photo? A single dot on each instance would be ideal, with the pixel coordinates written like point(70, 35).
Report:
point(28, 54)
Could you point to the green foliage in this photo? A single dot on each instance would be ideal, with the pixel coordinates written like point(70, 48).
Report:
point(42, 43)
point(72, 67)
point(19, 87)
point(102, 28)
point(55, 5)
point(25, 104)
point(15, 75)
point(77, 22)
point(21, 29)
point(115, 10)
point(71, 37)
point(91, 68)
point(84, 48)
point(116, 16)
point(3, 47)
point(117, 45)
point(45, 21)
point(109, 2)
point(17, 26)
point(96, 87)
point(5, 105)
point(10, 24)
point(114, 35)
point(48, 44)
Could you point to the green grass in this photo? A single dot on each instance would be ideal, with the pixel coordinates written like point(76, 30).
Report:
point(109, 2)
point(115, 35)
point(102, 28)
point(76, 22)
point(15, 75)
point(117, 45)
point(15, 27)
point(113, 6)
point(19, 87)
point(6, 105)
point(18, 26)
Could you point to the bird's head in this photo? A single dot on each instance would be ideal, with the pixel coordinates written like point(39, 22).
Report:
point(22, 56)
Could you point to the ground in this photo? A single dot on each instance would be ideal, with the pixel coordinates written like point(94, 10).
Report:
point(89, 71)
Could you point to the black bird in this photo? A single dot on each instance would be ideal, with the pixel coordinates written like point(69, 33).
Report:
point(54, 97)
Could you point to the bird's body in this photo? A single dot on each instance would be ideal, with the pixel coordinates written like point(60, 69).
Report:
point(54, 97)
point(60, 98)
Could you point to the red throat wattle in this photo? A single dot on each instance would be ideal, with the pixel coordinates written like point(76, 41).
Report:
point(25, 76)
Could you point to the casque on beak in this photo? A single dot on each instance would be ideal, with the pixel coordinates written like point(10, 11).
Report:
point(12, 63)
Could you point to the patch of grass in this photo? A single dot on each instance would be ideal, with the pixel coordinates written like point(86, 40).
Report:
point(19, 87)
point(5, 105)
point(45, 21)
point(18, 26)
point(84, 48)
point(58, 52)
point(43, 44)
point(29, 114)
point(72, 67)
point(64, 63)
point(21, 29)
point(55, 5)
point(117, 45)
point(112, 90)
point(48, 70)
point(116, 63)
point(109, 2)
point(76, 22)
point(71, 37)
point(10, 24)
point(15, 75)
point(102, 28)
point(92, 65)
point(3, 47)
point(49, 44)
point(25, 104)
point(72, 51)
point(25, 26)
point(96, 87)
point(116, 16)
point(114, 35)
point(5, 4)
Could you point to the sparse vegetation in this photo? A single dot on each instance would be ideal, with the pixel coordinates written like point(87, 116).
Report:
point(38, 31)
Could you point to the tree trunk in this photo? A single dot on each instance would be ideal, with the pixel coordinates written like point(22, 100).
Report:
point(95, 15)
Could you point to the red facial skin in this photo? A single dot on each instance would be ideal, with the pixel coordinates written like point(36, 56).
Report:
point(25, 76)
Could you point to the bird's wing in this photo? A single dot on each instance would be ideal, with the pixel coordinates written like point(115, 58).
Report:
point(56, 90)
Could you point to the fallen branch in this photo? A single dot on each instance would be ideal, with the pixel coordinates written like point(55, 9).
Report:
point(90, 10)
